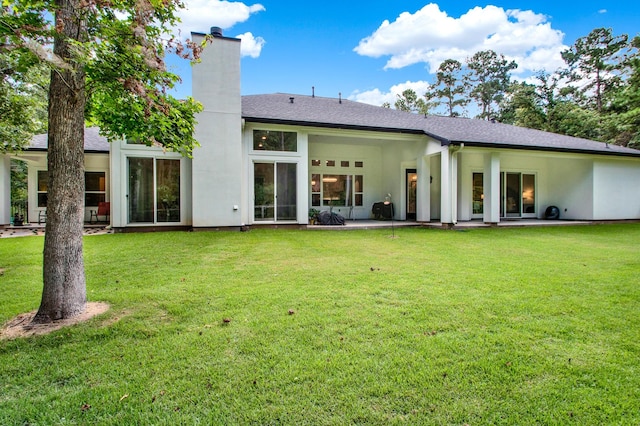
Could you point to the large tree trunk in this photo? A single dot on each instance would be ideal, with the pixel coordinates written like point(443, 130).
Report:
point(64, 293)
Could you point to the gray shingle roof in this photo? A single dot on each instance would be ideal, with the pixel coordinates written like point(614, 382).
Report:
point(93, 142)
point(330, 112)
point(346, 114)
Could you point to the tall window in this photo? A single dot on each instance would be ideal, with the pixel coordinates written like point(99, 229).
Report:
point(95, 188)
point(154, 190)
point(43, 186)
point(269, 140)
point(478, 193)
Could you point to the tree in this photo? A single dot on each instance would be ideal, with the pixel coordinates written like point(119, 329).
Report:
point(107, 64)
point(521, 107)
point(596, 61)
point(626, 103)
point(488, 77)
point(410, 102)
point(449, 87)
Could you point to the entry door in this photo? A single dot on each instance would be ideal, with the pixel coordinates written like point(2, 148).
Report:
point(412, 193)
point(275, 197)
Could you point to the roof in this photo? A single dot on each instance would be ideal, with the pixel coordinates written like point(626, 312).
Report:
point(300, 110)
point(93, 142)
point(315, 111)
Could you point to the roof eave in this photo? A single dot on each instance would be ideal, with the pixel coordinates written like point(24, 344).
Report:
point(544, 148)
point(331, 125)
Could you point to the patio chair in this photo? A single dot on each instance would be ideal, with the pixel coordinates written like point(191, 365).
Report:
point(104, 209)
point(42, 216)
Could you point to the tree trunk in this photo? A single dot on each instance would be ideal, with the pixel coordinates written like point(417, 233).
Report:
point(64, 290)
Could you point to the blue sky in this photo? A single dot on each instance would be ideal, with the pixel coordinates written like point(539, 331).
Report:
point(371, 50)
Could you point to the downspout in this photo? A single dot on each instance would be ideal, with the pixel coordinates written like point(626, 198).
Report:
point(454, 150)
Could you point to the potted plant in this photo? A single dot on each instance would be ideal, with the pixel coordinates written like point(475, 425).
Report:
point(313, 216)
point(18, 220)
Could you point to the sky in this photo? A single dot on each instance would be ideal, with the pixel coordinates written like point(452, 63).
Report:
point(369, 51)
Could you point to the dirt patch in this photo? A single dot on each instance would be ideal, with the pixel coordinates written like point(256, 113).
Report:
point(21, 326)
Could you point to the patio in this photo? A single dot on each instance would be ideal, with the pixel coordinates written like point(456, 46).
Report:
point(377, 224)
point(38, 229)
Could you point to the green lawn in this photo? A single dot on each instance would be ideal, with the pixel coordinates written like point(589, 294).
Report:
point(506, 326)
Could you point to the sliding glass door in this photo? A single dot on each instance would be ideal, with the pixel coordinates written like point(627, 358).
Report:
point(517, 194)
point(275, 191)
point(153, 190)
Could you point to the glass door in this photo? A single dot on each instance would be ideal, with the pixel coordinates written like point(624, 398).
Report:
point(412, 193)
point(154, 190)
point(274, 191)
point(517, 195)
point(140, 196)
point(513, 192)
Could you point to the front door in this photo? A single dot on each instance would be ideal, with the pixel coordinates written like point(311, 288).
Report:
point(412, 192)
point(275, 197)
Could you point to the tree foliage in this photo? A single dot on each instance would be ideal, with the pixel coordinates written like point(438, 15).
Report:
point(410, 102)
point(488, 76)
point(449, 88)
point(23, 101)
point(595, 62)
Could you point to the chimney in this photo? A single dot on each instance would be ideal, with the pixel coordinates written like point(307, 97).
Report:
point(216, 31)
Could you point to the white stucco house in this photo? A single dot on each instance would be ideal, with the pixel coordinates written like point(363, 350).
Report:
point(268, 159)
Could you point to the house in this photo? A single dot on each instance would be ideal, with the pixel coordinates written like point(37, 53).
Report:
point(268, 159)
point(96, 174)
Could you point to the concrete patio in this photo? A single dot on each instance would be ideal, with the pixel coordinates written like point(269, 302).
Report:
point(375, 224)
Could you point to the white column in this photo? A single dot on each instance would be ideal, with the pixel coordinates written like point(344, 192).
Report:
point(491, 188)
point(423, 197)
point(454, 186)
point(446, 214)
point(5, 190)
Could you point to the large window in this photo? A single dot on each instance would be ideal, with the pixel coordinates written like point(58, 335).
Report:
point(154, 190)
point(337, 190)
point(95, 188)
point(269, 140)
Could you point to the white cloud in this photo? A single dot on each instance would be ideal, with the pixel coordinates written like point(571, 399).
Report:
point(602, 11)
point(377, 97)
point(430, 36)
point(250, 45)
point(201, 15)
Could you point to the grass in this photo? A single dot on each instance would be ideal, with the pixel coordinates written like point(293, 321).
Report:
point(488, 326)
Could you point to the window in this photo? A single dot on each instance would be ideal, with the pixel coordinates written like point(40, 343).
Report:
point(95, 189)
point(528, 194)
point(268, 140)
point(331, 163)
point(344, 164)
point(43, 185)
point(337, 190)
point(315, 190)
point(316, 163)
point(358, 163)
point(478, 193)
